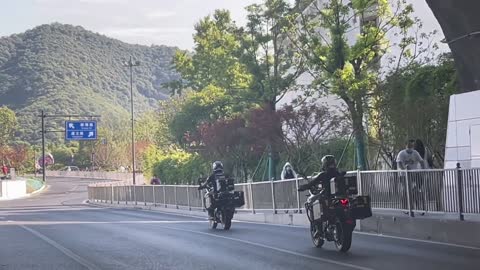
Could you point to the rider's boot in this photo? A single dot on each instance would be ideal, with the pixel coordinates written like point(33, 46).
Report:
point(211, 214)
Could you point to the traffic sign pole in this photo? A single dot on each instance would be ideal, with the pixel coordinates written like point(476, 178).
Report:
point(44, 131)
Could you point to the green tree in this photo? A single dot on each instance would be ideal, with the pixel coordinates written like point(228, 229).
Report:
point(209, 105)
point(273, 63)
point(350, 69)
point(8, 125)
point(215, 58)
point(177, 166)
point(414, 104)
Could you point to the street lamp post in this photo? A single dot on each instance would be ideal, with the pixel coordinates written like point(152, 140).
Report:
point(130, 64)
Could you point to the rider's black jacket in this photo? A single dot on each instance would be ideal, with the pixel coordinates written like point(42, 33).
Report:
point(324, 179)
point(210, 182)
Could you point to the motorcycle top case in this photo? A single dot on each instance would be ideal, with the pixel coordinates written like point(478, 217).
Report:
point(238, 198)
point(361, 207)
point(344, 185)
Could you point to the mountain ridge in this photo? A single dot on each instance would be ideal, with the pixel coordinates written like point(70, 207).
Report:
point(66, 69)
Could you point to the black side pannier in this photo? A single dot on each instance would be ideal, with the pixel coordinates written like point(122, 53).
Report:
point(361, 207)
point(238, 198)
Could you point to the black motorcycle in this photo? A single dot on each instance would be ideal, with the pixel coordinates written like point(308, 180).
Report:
point(333, 216)
point(223, 199)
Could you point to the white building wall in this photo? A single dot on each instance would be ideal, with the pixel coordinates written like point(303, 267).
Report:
point(463, 133)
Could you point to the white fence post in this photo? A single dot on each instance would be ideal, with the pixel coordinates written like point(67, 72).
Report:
point(175, 195)
point(188, 199)
point(250, 185)
point(460, 191)
point(105, 194)
point(164, 197)
point(153, 194)
point(135, 194)
point(144, 199)
point(127, 189)
point(359, 182)
point(409, 195)
point(273, 196)
point(298, 195)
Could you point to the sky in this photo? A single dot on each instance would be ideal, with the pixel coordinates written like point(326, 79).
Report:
point(147, 22)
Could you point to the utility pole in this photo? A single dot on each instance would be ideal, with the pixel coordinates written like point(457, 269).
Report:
point(130, 64)
point(44, 176)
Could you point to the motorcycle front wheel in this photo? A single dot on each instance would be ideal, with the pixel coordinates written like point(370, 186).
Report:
point(343, 236)
point(212, 224)
point(317, 238)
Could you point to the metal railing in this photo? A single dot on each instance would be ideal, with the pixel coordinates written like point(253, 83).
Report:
point(440, 191)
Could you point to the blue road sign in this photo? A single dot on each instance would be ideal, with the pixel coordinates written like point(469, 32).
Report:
point(80, 130)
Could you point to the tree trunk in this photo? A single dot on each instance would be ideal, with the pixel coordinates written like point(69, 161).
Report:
point(356, 113)
point(360, 144)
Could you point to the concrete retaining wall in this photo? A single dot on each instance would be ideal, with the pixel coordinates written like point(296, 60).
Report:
point(448, 231)
point(11, 189)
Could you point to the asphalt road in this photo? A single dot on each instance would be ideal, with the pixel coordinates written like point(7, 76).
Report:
point(56, 230)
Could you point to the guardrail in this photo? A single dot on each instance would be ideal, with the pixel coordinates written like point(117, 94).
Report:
point(442, 191)
point(117, 176)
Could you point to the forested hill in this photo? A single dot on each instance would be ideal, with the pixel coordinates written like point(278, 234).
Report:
point(67, 69)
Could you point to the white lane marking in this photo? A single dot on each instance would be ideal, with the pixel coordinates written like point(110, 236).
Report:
point(303, 227)
point(10, 222)
point(370, 234)
point(271, 224)
point(154, 211)
point(273, 248)
point(46, 209)
point(62, 249)
point(419, 240)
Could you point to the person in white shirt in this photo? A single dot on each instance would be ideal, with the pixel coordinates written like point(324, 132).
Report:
point(409, 158)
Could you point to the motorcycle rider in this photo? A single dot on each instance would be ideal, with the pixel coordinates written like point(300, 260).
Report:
point(329, 171)
point(217, 168)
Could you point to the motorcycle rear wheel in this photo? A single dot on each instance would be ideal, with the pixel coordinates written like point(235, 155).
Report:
point(318, 240)
point(227, 224)
point(226, 220)
point(343, 236)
